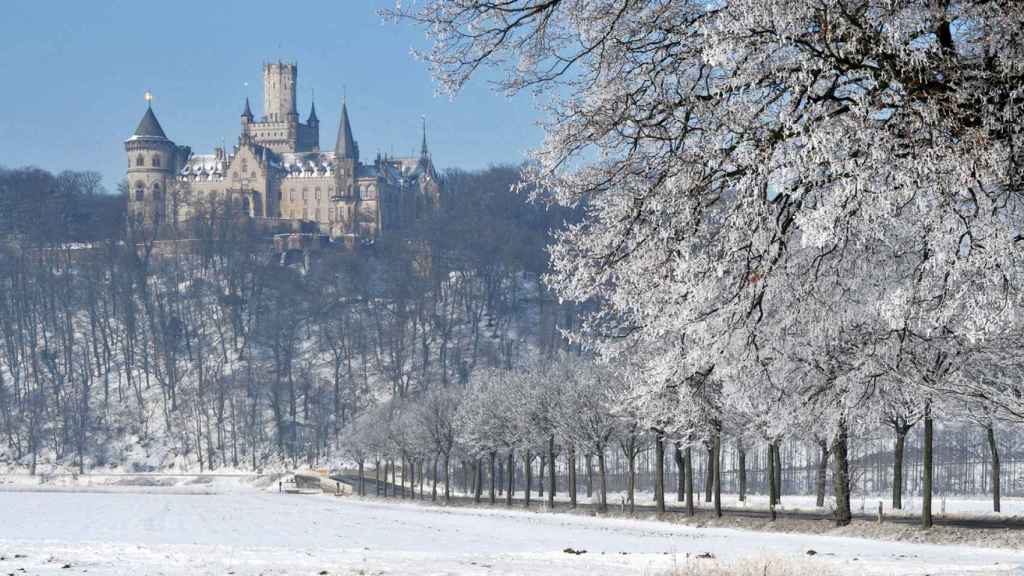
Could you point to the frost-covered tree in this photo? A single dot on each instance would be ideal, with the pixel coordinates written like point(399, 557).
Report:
point(829, 189)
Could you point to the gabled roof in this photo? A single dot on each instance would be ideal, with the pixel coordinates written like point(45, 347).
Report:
point(149, 127)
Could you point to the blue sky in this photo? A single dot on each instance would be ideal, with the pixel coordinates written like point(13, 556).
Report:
point(74, 74)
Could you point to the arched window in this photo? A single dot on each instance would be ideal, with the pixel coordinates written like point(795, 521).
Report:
point(140, 191)
point(156, 161)
point(140, 160)
point(157, 197)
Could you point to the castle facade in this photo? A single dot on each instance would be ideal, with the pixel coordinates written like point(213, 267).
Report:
point(278, 173)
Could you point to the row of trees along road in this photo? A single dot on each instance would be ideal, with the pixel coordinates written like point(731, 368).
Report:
point(798, 217)
point(547, 419)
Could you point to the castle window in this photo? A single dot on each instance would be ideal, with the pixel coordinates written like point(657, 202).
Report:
point(140, 192)
point(140, 160)
point(156, 161)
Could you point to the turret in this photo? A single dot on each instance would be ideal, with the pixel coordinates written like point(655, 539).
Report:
point(312, 121)
point(152, 163)
point(246, 120)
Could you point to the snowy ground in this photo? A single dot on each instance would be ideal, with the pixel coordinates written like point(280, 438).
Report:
point(245, 530)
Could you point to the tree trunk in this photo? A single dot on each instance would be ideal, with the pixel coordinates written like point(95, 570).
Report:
point(376, 479)
point(631, 480)
point(709, 475)
point(718, 473)
point(680, 470)
point(572, 476)
point(926, 497)
point(478, 493)
point(551, 473)
point(412, 479)
point(590, 475)
point(841, 477)
point(362, 479)
point(742, 472)
point(433, 489)
point(511, 477)
point(771, 477)
point(401, 485)
point(659, 472)
point(778, 473)
point(394, 478)
point(493, 496)
point(603, 505)
point(688, 460)
point(528, 470)
point(822, 473)
point(897, 467)
point(995, 466)
point(540, 475)
point(447, 479)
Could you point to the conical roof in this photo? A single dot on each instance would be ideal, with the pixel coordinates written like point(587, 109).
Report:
point(149, 126)
point(423, 147)
point(346, 145)
point(312, 114)
point(247, 113)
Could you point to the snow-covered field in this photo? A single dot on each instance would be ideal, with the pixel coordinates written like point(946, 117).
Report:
point(243, 529)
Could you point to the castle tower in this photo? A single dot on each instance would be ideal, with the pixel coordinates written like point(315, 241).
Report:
point(152, 164)
point(346, 158)
point(279, 91)
point(346, 153)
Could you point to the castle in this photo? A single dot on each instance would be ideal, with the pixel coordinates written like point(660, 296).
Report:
point(278, 173)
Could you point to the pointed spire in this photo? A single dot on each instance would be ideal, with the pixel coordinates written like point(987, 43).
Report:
point(312, 114)
point(346, 145)
point(424, 152)
point(247, 113)
point(149, 127)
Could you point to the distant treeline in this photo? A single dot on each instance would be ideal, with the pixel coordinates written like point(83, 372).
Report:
point(42, 207)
